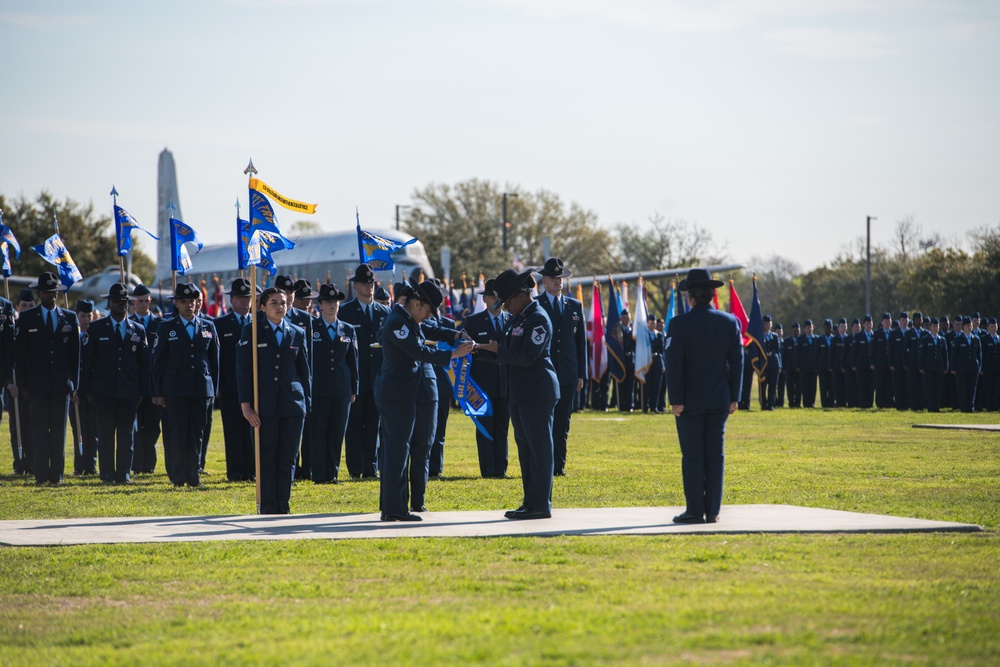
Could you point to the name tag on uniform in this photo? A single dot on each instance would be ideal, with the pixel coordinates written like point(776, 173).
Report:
point(227, 335)
point(32, 330)
point(105, 338)
point(261, 344)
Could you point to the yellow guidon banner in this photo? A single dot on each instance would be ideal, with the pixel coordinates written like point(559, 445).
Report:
point(290, 204)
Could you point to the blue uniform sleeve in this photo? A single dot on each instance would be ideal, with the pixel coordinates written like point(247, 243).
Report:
point(675, 363)
point(536, 333)
point(735, 359)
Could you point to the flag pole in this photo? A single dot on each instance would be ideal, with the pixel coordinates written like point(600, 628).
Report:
point(250, 171)
point(114, 211)
point(76, 403)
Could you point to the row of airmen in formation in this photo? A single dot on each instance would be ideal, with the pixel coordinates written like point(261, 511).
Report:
point(918, 364)
point(125, 378)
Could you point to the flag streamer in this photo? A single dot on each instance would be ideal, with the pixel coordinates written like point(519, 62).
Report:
point(290, 204)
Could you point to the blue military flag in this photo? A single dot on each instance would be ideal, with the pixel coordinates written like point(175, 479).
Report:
point(264, 223)
point(180, 235)
point(124, 224)
point(613, 335)
point(671, 306)
point(376, 251)
point(8, 241)
point(755, 331)
point(54, 252)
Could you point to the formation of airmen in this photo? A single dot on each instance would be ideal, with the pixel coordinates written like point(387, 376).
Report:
point(366, 380)
point(906, 364)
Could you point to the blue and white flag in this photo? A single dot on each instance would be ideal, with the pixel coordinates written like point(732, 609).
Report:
point(264, 222)
point(124, 224)
point(180, 235)
point(376, 251)
point(54, 252)
point(469, 395)
point(8, 241)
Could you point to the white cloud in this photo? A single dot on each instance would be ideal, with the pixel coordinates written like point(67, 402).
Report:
point(825, 44)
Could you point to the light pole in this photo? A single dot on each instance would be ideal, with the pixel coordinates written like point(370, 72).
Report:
point(868, 265)
point(399, 207)
point(506, 223)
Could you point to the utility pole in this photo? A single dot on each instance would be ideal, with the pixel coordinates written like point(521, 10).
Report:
point(398, 208)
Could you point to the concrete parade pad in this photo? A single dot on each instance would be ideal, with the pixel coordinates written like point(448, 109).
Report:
point(734, 519)
point(994, 428)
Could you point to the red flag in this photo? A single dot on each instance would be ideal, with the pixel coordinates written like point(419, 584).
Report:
point(736, 308)
point(598, 355)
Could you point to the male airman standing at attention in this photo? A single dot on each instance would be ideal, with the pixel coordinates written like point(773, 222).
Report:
point(567, 349)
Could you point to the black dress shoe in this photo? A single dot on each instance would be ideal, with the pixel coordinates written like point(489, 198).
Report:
point(400, 517)
point(524, 514)
point(559, 473)
point(422, 508)
point(712, 518)
point(689, 518)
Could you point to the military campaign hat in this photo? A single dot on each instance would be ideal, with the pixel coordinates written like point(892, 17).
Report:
point(488, 288)
point(397, 286)
point(84, 306)
point(510, 282)
point(47, 282)
point(427, 292)
point(699, 278)
point(304, 290)
point(117, 292)
point(26, 295)
point(284, 283)
point(554, 269)
point(140, 290)
point(329, 292)
point(240, 287)
point(185, 291)
point(363, 274)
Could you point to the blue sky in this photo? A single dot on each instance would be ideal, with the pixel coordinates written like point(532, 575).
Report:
point(778, 125)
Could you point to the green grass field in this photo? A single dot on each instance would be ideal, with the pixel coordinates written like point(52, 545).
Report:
point(682, 599)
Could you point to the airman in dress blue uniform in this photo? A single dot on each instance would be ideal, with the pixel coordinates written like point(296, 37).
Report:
point(236, 431)
point(704, 378)
point(367, 318)
point(19, 419)
point(863, 363)
point(491, 376)
point(991, 367)
point(283, 393)
point(147, 419)
point(567, 350)
point(965, 363)
point(401, 385)
point(7, 369)
point(913, 378)
point(789, 367)
point(185, 374)
point(435, 458)
point(335, 385)
point(932, 361)
point(806, 364)
point(85, 432)
point(47, 340)
point(300, 295)
point(772, 348)
point(839, 363)
point(114, 373)
point(897, 363)
point(880, 354)
point(532, 389)
point(824, 368)
point(654, 377)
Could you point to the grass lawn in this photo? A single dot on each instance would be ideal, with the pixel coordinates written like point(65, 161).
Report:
point(746, 599)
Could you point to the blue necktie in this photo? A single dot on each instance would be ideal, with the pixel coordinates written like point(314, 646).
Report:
point(277, 334)
point(190, 329)
point(48, 320)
